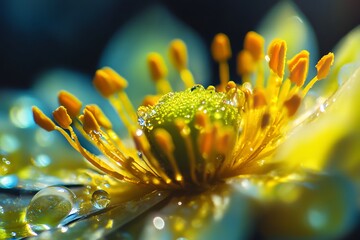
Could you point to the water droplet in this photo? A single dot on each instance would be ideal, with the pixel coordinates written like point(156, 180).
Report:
point(85, 178)
point(2, 210)
point(9, 181)
point(6, 161)
point(105, 184)
point(220, 157)
point(141, 121)
point(100, 199)
point(159, 223)
point(48, 207)
point(42, 160)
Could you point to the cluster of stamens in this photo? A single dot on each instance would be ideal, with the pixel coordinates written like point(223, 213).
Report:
point(194, 138)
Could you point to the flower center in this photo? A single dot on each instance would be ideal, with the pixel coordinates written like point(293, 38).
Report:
point(192, 133)
point(193, 138)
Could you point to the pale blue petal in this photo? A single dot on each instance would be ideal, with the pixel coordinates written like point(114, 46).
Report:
point(285, 21)
point(152, 31)
point(324, 208)
point(221, 213)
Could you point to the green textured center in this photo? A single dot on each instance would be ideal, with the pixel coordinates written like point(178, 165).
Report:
point(222, 108)
point(217, 105)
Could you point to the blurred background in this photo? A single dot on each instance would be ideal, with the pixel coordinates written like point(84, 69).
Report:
point(37, 35)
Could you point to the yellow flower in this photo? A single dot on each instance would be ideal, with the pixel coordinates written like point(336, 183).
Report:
point(236, 161)
point(195, 141)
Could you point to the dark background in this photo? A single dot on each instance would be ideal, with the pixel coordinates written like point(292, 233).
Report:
point(38, 34)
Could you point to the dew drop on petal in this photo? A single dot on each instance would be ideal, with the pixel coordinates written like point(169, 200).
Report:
point(48, 207)
point(9, 181)
point(100, 199)
point(41, 160)
point(159, 223)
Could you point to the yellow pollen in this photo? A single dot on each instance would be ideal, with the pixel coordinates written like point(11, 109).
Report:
point(62, 117)
point(42, 120)
point(70, 102)
point(254, 44)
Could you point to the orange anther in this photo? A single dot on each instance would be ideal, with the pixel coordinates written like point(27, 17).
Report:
point(220, 48)
point(62, 117)
point(277, 54)
point(156, 66)
point(254, 43)
point(70, 102)
point(89, 122)
point(178, 54)
point(42, 120)
point(323, 66)
point(299, 71)
point(245, 63)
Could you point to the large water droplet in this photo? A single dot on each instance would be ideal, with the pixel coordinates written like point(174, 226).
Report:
point(100, 199)
point(48, 207)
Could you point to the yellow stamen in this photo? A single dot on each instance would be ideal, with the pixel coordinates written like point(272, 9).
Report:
point(277, 53)
point(323, 66)
point(178, 54)
point(89, 122)
point(220, 48)
point(221, 52)
point(158, 72)
point(150, 100)
point(108, 82)
point(62, 117)
point(164, 139)
point(299, 71)
point(70, 102)
point(42, 120)
point(100, 117)
point(178, 57)
point(245, 65)
point(302, 54)
point(254, 44)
